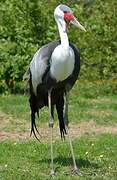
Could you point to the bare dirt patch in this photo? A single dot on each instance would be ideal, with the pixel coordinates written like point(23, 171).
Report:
point(12, 128)
point(17, 129)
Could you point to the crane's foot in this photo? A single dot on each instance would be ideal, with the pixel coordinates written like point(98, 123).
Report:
point(52, 173)
point(76, 172)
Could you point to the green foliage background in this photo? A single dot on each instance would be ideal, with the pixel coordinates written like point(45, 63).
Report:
point(27, 25)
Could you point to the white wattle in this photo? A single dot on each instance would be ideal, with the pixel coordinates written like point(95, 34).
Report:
point(62, 63)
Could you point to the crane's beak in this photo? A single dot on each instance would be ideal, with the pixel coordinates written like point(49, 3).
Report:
point(77, 24)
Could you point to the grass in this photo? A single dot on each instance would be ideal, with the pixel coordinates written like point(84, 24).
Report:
point(95, 153)
point(15, 105)
point(31, 160)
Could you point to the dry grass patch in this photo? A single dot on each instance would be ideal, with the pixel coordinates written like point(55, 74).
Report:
point(17, 129)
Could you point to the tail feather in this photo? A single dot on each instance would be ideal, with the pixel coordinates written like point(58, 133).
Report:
point(34, 109)
point(59, 107)
point(34, 129)
point(38, 113)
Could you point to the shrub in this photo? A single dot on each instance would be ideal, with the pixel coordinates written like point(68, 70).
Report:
point(26, 25)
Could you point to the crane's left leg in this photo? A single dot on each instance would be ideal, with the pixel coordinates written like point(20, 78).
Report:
point(76, 169)
point(51, 123)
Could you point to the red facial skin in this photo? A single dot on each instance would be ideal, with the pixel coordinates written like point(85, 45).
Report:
point(68, 17)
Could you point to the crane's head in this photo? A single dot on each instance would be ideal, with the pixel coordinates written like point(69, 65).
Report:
point(64, 15)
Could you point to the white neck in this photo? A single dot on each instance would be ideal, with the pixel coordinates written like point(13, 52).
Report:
point(63, 37)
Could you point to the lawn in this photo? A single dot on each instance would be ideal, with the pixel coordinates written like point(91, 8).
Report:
point(31, 160)
point(94, 132)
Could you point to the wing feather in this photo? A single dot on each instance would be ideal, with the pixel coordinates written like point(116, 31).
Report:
point(41, 62)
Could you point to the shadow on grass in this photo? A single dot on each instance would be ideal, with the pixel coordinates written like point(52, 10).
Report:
point(63, 161)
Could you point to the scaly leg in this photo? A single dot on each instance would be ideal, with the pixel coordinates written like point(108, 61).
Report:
point(76, 169)
point(51, 123)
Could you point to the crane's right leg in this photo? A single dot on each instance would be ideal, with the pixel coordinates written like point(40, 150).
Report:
point(76, 169)
point(51, 123)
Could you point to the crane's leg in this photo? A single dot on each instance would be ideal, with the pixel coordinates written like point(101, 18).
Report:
point(76, 169)
point(51, 123)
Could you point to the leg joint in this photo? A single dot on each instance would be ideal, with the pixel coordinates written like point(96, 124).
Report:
point(51, 123)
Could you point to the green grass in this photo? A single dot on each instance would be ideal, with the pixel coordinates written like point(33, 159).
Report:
point(15, 105)
point(31, 160)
